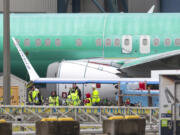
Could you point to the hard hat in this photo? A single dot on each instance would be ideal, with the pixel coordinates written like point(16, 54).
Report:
point(88, 95)
point(36, 89)
point(93, 86)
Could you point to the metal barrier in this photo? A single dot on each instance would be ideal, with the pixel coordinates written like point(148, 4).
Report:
point(24, 117)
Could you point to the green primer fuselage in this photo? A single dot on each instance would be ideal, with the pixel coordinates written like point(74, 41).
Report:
point(88, 28)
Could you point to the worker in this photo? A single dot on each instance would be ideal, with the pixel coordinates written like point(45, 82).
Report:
point(77, 90)
point(127, 103)
point(30, 89)
point(30, 99)
point(36, 96)
point(116, 98)
point(95, 96)
point(87, 101)
point(53, 99)
point(69, 100)
point(73, 99)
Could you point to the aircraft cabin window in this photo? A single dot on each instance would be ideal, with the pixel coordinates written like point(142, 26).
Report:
point(117, 42)
point(177, 41)
point(78, 42)
point(127, 44)
point(156, 41)
point(57, 42)
point(144, 44)
point(48, 42)
point(27, 42)
point(38, 42)
point(98, 42)
point(167, 42)
point(108, 42)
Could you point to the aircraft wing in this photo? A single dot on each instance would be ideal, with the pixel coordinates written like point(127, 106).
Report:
point(150, 58)
point(161, 61)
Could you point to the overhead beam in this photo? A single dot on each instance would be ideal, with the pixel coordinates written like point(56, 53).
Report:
point(6, 54)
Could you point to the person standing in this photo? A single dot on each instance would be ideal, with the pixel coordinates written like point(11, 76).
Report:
point(30, 89)
point(53, 99)
point(95, 96)
point(76, 89)
point(36, 96)
point(30, 99)
point(128, 102)
point(73, 99)
point(87, 101)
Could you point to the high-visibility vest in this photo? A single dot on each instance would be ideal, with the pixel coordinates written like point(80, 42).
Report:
point(35, 97)
point(68, 100)
point(30, 98)
point(95, 96)
point(73, 99)
point(54, 101)
point(88, 104)
point(76, 91)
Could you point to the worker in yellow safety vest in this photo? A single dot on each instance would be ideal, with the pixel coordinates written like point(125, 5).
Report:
point(87, 101)
point(30, 99)
point(73, 99)
point(30, 89)
point(36, 96)
point(53, 99)
point(95, 96)
point(77, 90)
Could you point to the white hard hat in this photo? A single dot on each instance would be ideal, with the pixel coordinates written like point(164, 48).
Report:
point(93, 86)
point(36, 89)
